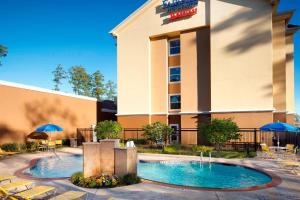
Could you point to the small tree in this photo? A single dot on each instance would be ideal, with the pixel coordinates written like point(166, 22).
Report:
point(219, 131)
point(110, 91)
point(58, 75)
point(3, 51)
point(97, 85)
point(108, 129)
point(80, 80)
point(157, 132)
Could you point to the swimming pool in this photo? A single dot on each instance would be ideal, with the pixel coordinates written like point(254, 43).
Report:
point(193, 174)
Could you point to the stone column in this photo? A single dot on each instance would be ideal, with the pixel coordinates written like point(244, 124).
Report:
point(91, 159)
point(107, 158)
point(125, 161)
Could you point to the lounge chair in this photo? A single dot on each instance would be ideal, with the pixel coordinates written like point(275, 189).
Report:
point(294, 166)
point(16, 184)
point(6, 178)
point(34, 192)
point(43, 145)
point(70, 195)
point(6, 153)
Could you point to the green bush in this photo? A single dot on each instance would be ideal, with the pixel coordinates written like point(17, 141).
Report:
point(219, 131)
point(203, 149)
point(172, 148)
point(130, 179)
point(101, 181)
point(32, 146)
point(157, 132)
point(108, 129)
point(10, 147)
point(138, 141)
point(76, 177)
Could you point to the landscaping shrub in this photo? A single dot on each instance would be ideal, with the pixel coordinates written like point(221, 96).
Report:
point(10, 147)
point(101, 181)
point(219, 131)
point(138, 141)
point(157, 132)
point(108, 129)
point(31, 146)
point(203, 149)
point(76, 177)
point(130, 179)
point(172, 148)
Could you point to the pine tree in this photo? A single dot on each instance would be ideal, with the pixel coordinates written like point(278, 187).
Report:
point(97, 85)
point(111, 93)
point(58, 75)
point(3, 52)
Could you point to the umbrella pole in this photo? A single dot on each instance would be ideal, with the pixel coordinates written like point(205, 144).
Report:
point(278, 142)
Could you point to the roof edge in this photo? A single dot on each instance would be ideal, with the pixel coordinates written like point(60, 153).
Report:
point(286, 15)
point(38, 89)
point(113, 32)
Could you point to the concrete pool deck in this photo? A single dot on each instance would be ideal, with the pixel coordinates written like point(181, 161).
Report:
point(288, 189)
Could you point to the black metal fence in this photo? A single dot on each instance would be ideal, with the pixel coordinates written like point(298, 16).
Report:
point(250, 138)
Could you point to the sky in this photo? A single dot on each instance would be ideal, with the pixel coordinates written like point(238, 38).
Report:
point(41, 34)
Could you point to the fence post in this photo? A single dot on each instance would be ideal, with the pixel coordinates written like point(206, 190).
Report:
point(137, 134)
point(255, 140)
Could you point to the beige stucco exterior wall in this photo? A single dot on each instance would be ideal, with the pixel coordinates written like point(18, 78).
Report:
point(241, 55)
point(189, 76)
point(133, 47)
point(159, 75)
point(290, 76)
point(23, 110)
point(279, 65)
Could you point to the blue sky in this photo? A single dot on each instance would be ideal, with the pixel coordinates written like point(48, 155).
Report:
point(43, 33)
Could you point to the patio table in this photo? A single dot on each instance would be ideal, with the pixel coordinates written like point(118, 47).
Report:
point(277, 148)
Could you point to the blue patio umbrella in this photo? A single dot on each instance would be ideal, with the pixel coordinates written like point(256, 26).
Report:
point(279, 127)
point(49, 128)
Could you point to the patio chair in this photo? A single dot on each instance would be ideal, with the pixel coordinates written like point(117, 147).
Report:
point(6, 178)
point(51, 145)
point(290, 148)
point(70, 195)
point(43, 145)
point(266, 151)
point(58, 143)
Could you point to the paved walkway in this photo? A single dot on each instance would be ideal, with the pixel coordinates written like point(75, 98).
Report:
point(288, 189)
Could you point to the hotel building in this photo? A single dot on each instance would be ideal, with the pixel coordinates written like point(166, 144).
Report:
point(186, 61)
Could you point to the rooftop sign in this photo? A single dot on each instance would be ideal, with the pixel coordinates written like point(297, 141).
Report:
point(180, 8)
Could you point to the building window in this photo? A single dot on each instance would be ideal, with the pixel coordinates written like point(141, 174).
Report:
point(175, 102)
point(174, 74)
point(174, 47)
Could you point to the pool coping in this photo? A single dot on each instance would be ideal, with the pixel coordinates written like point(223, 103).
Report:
point(276, 180)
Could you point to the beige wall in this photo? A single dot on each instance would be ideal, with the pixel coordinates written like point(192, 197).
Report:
point(279, 65)
point(241, 55)
point(188, 58)
point(247, 119)
point(159, 76)
point(134, 60)
point(23, 110)
point(290, 77)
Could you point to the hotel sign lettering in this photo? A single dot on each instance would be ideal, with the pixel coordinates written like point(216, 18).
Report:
point(180, 8)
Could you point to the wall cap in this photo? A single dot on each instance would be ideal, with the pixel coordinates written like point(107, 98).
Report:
point(38, 89)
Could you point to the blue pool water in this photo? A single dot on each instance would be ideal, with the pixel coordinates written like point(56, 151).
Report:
point(195, 174)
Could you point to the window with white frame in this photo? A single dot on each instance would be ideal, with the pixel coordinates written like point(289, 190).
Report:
point(175, 102)
point(174, 74)
point(174, 47)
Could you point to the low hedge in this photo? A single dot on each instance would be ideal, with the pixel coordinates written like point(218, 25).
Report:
point(103, 180)
point(19, 147)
